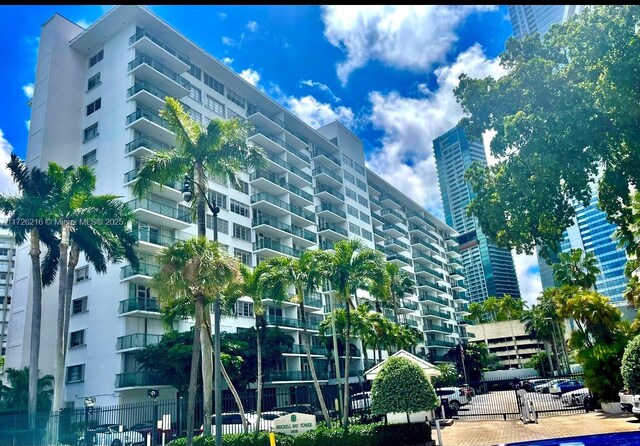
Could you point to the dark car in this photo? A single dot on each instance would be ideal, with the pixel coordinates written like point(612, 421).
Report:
point(566, 386)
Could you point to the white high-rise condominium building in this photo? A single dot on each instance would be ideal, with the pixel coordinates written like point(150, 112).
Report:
point(96, 101)
point(7, 265)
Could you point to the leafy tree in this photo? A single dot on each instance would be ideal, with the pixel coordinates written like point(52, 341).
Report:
point(400, 283)
point(569, 91)
point(576, 268)
point(491, 307)
point(509, 308)
point(537, 362)
point(402, 386)
point(631, 366)
point(16, 396)
point(474, 355)
point(477, 312)
point(448, 375)
point(221, 149)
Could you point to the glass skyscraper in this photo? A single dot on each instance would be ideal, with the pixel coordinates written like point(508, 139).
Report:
point(489, 270)
point(528, 19)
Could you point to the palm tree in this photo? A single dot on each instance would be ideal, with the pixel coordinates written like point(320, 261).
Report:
point(576, 268)
point(477, 312)
point(347, 267)
point(364, 327)
point(194, 272)
point(491, 307)
point(282, 273)
point(400, 283)
point(27, 214)
point(510, 308)
point(85, 226)
point(219, 150)
point(16, 396)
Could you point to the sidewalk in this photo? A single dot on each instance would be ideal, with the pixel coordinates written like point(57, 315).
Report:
point(490, 433)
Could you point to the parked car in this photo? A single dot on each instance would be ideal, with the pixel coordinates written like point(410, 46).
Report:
point(635, 410)
point(266, 419)
point(529, 384)
point(110, 435)
point(231, 424)
point(626, 401)
point(544, 387)
point(565, 386)
point(308, 409)
point(575, 397)
point(457, 397)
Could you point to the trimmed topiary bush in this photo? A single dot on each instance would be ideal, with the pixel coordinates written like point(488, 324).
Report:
point(630, 368)
point(402, 386)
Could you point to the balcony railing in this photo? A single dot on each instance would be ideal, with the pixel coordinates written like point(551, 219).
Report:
point(317, 151)
point(144, 59)
point(282, 163)
point(271, 177)
point(159, 208)
point(297, 134)
point(322, 169)
point(424, 269)
point(439, 343)
point(395, 241)
point(390, 226)
point(252, 109)
point(145, 113)
point(147, 142)
point(436, 327)
point(429, 312)
point(422, 218)
point(393, 212)
point(422, 282)
point(291, 322)
point(138, 340)
point(385, 196)
point(138, 304)
point(417, 241)
point(294, 375)
point(423, 297)
point(333, 227)
point(422, 255)
point(275, 246)
point(269, 220)
point(300, 349)
point(288, 147)
point(161, 43)
point(331, 208)
point(324, 188)
point(146, 86)
point(141, 379)
point(405, 303)
point(263, 196)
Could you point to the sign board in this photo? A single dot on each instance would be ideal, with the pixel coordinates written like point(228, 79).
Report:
point(294, 424)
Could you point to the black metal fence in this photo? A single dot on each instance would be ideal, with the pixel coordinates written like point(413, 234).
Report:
point(135, 422)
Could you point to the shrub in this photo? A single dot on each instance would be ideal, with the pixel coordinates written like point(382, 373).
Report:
point(236, 440)
point(630, 368)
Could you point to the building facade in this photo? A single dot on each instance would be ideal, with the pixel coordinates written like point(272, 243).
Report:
point(111, 80)
point(529, 19)
point(7, 265)
point(489, 270)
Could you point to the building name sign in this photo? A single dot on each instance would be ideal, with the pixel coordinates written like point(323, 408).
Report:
point(294, 424)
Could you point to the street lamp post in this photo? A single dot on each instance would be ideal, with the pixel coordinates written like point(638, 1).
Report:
point(154, 394)
point(215, 210)
point(89, 402)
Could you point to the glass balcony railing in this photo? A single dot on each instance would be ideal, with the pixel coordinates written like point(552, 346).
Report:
point(138, 304)
point(133, 174)
point(422, 282)
point(146, 142)
point(421, 217)
point(385, 196)
point(436, 327)
point(154, 237)
point(158, 41)
point(321, 169)
point(282, 163)
point(300, 349)
point(252, 109)
point(395, 241)
point(423, 297)
point(146, 86)
point(313, 300)
point(271, 177)
point(275, 246)
point(422, 255)
point(138, 340)
point(319, 151)
point(332, 227)
point(291, 322)
point(141, 379)
point(149, 115)
point(417, 241)
point(391, 226)
point(430, 312)
point(331, 208)
point(411, 323)
point(439, 343)
point(393, 212)
point(269, 220)
point(145, 269)
point(410, 305)
point(297, 134)
point(160, 208)
point(285, 145)
point(144, 59)
point(297, 375)
point(424, 269)
point(301, 212)
point(378, 232)
point(324, 188)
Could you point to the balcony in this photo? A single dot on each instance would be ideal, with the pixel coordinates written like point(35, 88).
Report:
point(263, 247)
point(421, 282)
point(271, 142)
point(376, 205)
point(330, 212)
point(429, 313)
point(378, 235)
point(439, 343)
point(419, 242)
point(424, 258)
point(260, 117)
point(328, 194)
point(463, 309)
point(454, 252)
point(153, 240)
point(458, 285)
point(170, 189)
point(269, 182)
point(389, 201)
point(400, 260)
point(136, 304)
point(394, 230)
point(411, 323)
point(280, 321)
point(138, 340)
point(145, 270)
point(396, 245)
point(327, 176)
point(147, 95)
point(293, 375)
point(423, 297)
point(293, 132)
point(325, 229)
point(321, 156)
point(428, 271)
point(147, 42)
point(159, 214)
point(145, 146)
point(437, 328)
point(313, 299)
point(467, 335)
point(303, 179)
point(141, 379)
point(418, 217)
point(148, 122)
point(460, 296)
point(148, 69)
point(463, 321)
point(299, 349)
point(407, 305)
point(391, 215)
point(280, 229)
point(273, 205)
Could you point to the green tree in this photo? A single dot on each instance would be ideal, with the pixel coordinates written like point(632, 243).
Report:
point(192, 273)
point(491, 306)
point(477, 312)
point(27, 214)
point(400, 284)
point(567, 90)
point(448, 375)
point(219, 150)
point(537, 362)
point(349, 266)
point(510, 308)
point(402, 386)
point(630, 368)
point(539, 322)
point(576, 268)
point(16, 395)
point(474, 355)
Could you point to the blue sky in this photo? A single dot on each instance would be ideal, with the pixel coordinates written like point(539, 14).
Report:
point(387, 72)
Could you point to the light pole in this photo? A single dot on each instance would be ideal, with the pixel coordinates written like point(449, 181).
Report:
point(187, 194)
point(89, 402)
point(154, 394)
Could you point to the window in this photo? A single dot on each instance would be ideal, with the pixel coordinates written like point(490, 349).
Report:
point(211, 82)
point(197, 116)
point(218, 198)
point(358, 168)
point(223, 225)
point(90, 132)
point(364, 217)
point(351, 194)
point(350, 178)
point(94, 106)
point(75, 373)
point(90, 158)
point(354, 229)
point(79, 305)
point(233, 115)
point(4, 252)
point(82, 273)
point(366, 234)
point(213, 105)
point(96, 58)
point(241, 232)
point(352, 211)
point(220, 179)
point(348, 161)
point(239, 208)
point(195, 93)
point(363, 201)
point(235, 98)
point(243, 256)
point(361, 184)
point(194, 71)
point(244, 309)
point(76, 339)
point(93, 82)
point(241, 186)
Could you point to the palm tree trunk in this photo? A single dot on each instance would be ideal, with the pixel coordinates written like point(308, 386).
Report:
point(61, 345)
point(207, 363)
point(193, 377)
point(74, 256)
point(312, 367)
point(259, 334)
point(236, 397)
point(36, 317)
point(334, 335)
point(345, 398)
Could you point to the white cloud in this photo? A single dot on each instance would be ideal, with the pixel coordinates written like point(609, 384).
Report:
point(251, 76)
point(252, 26)
point(410, 125)
point(228, 41)
point(7, 185)
point(528, 276)
point(317, 114)
point(28, 90)
point(227, 60)
point(405, 37)
point(321, 86)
